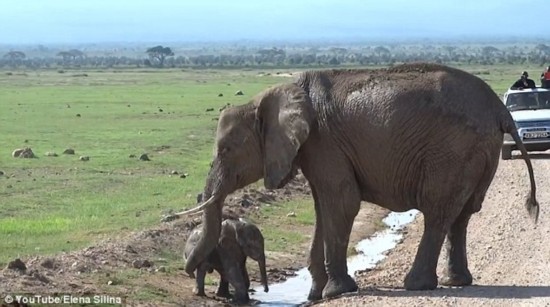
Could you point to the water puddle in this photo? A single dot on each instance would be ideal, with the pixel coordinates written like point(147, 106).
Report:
point(294, 290)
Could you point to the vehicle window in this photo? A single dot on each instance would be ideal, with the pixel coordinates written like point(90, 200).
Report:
point(528, 101)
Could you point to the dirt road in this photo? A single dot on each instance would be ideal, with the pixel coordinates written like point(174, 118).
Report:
point(509, 256)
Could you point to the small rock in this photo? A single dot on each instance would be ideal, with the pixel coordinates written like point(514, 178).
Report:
point(161, 110)
point(23, 153)
point(40, 277)
point(50, 154)
point(209, 109)
point(220, 95)
point(2, 173)
point(78, 115)
point(17, 264)
point(138, 264)
point(110, 282)
point(132, 156)
point(174, 172)
point(68, 151)
point(291, 214)
point(144, 157)
point(239, 93)
point(161, 269)
point(246, 203)
point(48, 263)
point(184, 175)
point(84, 158)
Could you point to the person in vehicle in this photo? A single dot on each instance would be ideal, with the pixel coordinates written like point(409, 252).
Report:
point(523, 82)
point(545, 78)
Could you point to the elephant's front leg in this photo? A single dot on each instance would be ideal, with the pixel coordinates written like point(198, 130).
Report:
point(316, 262)
point(199, 287)
point(339, 205)
point(234, 275)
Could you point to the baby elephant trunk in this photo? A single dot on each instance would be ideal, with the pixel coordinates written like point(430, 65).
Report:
point(263, 273)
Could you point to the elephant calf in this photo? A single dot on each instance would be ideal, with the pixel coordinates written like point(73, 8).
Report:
point(239, 239)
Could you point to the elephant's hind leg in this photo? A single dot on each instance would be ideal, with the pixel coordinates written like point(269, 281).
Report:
point(422, 275)
point(441, 205)
point(457, 272)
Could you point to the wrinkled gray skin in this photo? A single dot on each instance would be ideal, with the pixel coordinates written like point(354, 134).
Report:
point(416, 136)
point(239, 239)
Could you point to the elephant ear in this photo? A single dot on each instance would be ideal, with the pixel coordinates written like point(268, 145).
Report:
point(285, 117)
point(250, 239)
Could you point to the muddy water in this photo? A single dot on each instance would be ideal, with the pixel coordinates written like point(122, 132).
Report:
point(294, 290)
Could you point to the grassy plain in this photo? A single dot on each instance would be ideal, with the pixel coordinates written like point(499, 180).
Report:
point(53, 204)
point(59, 203)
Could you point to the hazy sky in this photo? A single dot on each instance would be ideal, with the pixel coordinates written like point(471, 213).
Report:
point(81, 21)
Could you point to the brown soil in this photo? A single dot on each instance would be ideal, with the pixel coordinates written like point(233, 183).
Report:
point(508, 255)
point(134, 268)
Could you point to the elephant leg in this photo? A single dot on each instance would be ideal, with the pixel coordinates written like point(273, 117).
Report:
point(422, 275)
point(199, 281)
point(316, 261)
point(233, 273)
point(245, 275)
point(457, 272)
point(339, 206)
point(223, 287)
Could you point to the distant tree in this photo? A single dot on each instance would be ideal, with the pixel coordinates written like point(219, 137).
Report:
point(489, 50)
point(15, 57)
point(72, 56)
point(158, 54)
point(381, 50)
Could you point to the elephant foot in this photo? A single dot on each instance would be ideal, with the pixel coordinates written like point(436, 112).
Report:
point(316, 291)
point(199, 292)
point(315, 294)
point(223, 293)
point(337, 286)
point(457, 279)
point(415, 281)
point(240, 298)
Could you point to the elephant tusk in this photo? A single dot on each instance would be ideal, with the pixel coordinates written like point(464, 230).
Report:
point(195, 210)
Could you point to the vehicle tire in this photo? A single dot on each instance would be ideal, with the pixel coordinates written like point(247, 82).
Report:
point(506, 152)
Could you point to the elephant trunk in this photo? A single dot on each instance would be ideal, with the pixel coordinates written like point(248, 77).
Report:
point(211, 226)
point(263, 273)
point(217, 187)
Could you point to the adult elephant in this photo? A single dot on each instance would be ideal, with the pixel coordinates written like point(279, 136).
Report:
point(416, 136)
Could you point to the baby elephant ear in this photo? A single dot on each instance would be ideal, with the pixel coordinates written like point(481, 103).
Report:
point(285, 117)
point(250, 240)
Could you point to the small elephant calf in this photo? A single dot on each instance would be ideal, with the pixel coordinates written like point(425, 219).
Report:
point(239, 239)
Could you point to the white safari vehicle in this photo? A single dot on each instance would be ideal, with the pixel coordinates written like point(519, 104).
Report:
point(530, 109)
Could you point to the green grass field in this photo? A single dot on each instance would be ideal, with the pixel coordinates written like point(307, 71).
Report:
point(53, 204)
point(60, 203)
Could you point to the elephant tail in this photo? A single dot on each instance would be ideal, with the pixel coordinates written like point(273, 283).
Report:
point(531, 203)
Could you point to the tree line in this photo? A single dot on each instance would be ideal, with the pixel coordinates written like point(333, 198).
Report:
point(166, 57)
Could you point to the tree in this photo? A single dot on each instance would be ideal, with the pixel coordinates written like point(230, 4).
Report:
point(158, 54)
point(15, 57)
